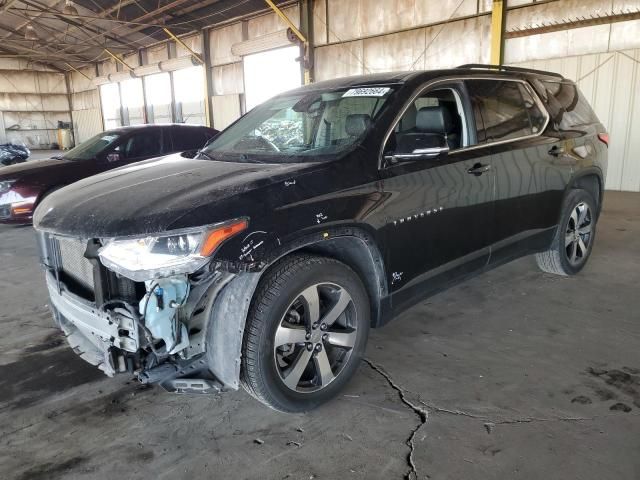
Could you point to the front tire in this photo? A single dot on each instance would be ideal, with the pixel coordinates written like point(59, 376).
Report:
point(306, 333)
point(574, 238)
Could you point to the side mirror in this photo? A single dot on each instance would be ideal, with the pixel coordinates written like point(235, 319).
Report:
point(113, 157)
point(189, 153)
point(418, 146)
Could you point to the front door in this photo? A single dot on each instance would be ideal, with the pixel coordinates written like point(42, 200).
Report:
point(440, 204)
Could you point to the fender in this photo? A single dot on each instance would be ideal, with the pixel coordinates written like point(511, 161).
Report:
point(228, 312)
point(225, 328)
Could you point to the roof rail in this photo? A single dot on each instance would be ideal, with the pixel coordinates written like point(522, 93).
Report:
point(509, 69)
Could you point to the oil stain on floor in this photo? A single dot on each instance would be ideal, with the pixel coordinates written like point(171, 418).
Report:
point(36, 376)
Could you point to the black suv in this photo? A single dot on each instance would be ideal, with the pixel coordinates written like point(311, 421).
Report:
point(325, 211)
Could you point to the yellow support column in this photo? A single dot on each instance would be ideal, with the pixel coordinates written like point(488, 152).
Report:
point(497, 30)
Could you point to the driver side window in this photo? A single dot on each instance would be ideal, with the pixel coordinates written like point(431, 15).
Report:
point(435, 119)
point(146, 143)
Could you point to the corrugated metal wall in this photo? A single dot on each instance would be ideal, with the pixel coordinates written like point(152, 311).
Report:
point(364, 36)
point(86, 124)
point(611, 83)
point(85, 105)
point(32, 101)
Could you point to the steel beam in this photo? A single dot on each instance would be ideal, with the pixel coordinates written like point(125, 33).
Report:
point(184, 45)
point(306, 24)
point(7, 5)
point(208, 76)
point(286, 20)
point(84, 28)
point(497, 31)
point(557, 26)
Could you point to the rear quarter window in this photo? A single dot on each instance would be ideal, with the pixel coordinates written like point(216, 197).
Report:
point(567, 105)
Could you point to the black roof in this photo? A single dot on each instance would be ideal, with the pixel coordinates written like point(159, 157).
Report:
point(394, 78)
point(151, 126)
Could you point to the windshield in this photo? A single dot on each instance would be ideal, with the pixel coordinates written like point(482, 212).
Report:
point(303, 127)
point(91, 148)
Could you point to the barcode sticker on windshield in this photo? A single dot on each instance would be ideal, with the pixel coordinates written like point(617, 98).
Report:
point(366, 92)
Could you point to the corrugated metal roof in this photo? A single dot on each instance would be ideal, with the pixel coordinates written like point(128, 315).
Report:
point(121, 26)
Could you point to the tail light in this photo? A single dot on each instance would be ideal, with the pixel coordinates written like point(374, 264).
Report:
point(604, 138)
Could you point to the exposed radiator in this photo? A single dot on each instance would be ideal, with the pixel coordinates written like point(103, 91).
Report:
point(72, 261)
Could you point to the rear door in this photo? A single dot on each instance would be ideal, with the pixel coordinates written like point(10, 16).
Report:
point(530, 177)
point(439, 208)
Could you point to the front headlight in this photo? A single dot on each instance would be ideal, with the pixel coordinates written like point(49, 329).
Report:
point(5, 186)
point(166, 254)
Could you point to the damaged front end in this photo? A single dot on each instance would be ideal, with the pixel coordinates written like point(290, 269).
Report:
point(144, 305)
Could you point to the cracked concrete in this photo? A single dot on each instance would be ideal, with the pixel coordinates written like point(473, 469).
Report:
point(422, 413)
point(519, 375)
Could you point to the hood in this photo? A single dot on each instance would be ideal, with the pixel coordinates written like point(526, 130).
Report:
point(150, 196)
point(32, 167)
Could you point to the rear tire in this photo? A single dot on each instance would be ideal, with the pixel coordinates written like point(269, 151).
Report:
point(574, 237)
point(306, 333)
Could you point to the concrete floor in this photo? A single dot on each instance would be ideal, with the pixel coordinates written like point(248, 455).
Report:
point(515, 374)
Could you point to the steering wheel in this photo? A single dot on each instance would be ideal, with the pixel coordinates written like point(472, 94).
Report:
point(272, 146)
point(256, 142)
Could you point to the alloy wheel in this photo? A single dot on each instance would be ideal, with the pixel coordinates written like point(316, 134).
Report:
point(315, 338)
point(578, 233)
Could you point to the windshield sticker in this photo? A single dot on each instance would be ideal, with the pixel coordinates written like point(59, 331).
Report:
point(367, 92)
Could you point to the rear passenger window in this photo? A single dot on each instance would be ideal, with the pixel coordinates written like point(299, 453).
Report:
point(504, 110)
point(188, 138)
point(145, 143)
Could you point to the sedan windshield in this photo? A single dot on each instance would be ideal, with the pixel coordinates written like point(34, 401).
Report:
point(94, 146)
point(301, 127)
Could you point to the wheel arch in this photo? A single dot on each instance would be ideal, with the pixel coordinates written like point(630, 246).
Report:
point(228, 312)
point(354, 245)
point(590, 180)
point(362, 255)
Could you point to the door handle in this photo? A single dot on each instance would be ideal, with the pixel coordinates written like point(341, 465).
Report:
point(556, 151)
point(478, 169)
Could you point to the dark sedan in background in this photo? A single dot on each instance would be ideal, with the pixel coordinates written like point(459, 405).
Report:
point(23, 186)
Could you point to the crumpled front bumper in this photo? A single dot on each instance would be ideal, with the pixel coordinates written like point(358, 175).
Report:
point(90, 331)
